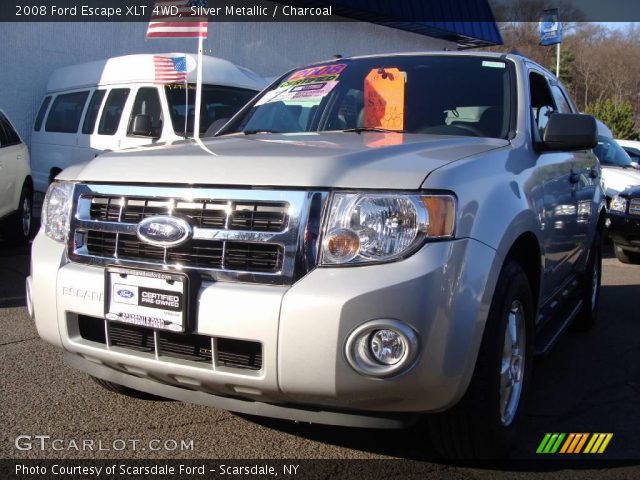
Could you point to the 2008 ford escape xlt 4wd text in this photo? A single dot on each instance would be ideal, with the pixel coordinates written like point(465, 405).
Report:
point(369, 241)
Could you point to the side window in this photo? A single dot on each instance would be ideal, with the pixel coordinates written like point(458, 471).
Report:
point(65, 113)
point(11, 137)
point(561, 101)
point(147, 102)
point(4, 141)
point(42, 112)
point(112, 111)
point(92, 111)
point(542, 103)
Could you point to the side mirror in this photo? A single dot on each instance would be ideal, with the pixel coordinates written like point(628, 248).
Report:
point(141, 126)
point(570, 131)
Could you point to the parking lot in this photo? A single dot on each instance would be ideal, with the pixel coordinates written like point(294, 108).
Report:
point(588, 383)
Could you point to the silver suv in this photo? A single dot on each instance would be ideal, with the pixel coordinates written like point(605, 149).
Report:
point(368, 241)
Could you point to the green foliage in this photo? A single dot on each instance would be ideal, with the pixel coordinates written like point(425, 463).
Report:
point(566, 65)
point(619, 117)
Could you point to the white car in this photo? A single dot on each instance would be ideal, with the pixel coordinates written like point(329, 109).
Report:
point(618, 170)
point(632, 147)
point(16, 187)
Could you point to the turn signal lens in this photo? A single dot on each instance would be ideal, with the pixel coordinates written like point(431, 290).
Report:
point(341, 245)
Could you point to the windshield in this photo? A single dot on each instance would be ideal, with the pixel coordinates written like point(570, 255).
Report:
point(611, 154)
point(441, 95)
point(218, 103)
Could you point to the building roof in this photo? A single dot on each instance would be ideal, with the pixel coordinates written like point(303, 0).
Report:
point(468, 23)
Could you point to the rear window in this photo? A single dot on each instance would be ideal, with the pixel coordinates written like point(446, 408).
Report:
point(112, 111)
point(65, 113)
point(41, 113)
point(92, 112)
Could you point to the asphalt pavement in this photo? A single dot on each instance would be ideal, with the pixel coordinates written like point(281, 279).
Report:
point(590, 382)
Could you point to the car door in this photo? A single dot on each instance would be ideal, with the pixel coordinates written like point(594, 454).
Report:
point(585, 176)
point(557, 173)
point(146, 102)
point(11, 156)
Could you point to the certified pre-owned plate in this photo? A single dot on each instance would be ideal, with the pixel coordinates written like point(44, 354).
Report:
point(146, 298)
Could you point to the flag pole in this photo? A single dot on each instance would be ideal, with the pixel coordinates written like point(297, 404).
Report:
point(198, 103)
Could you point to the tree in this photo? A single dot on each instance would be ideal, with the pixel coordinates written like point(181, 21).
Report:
point(566, 66)
point(619, 117)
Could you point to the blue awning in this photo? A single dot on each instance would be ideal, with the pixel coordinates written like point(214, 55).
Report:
point(469, 23)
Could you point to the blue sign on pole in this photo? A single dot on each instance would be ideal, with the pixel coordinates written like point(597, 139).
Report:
point(550, 27)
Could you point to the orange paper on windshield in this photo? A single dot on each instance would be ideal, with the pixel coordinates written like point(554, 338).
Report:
point(384, 99)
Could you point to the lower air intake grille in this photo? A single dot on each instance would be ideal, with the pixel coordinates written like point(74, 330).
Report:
point(239, 354)
point(231, 352)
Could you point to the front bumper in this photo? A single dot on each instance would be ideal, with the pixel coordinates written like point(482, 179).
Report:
point(624, 230)
point(443, 293)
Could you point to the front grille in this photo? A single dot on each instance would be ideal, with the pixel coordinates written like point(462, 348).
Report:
point(195, 253)
point(233, 353)
point(248, 235)
point(634, 206)
point(245, 215)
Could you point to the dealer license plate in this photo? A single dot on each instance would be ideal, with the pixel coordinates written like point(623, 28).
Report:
point(146, 298)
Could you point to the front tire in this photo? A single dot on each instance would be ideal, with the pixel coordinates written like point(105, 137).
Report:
point(485, 423)
point(16, 230)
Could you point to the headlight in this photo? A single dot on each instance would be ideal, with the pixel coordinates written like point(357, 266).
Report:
point(618, 204)
point(380, 227)
point(56, 210)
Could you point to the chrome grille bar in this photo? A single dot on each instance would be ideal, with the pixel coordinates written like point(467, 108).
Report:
point(262, 226)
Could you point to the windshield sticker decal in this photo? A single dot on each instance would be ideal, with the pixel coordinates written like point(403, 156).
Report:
point(307, 85)
point(384, 99)
point(323, 73)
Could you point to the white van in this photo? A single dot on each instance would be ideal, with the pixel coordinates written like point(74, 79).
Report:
point(116, 103)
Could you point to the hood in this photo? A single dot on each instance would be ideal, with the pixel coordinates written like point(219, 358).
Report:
point(341, 160)
point(617, 179)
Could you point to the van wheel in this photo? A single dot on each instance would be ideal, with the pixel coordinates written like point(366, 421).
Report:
point(625, 256)
point(590, 290)
point(485, 422)
point(126, 391)
point(16, 230)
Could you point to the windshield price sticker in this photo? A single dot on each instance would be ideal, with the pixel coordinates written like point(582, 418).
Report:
point(307, 85)
point(152, 301)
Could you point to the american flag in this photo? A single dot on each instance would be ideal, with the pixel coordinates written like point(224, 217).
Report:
point(175, 19)
point(170, 69)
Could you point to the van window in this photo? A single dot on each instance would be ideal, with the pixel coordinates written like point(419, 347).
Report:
point(113, 111)
point(217, 103)
point(147, 102)
point(42, 112)
point(92, 111)
point(65, 113)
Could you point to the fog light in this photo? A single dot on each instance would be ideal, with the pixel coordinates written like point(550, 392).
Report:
point(382, 348)
point(387, 346)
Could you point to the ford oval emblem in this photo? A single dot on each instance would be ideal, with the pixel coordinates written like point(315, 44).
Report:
point(164, 231)
point(124, 293)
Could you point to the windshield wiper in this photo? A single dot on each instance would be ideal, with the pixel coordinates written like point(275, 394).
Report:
point(258, 130)
point(373, 129)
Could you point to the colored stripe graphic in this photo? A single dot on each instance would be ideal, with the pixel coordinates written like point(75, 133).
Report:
point(574, 443)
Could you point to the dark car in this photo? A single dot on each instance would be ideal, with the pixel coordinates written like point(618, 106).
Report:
point(623, 225)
